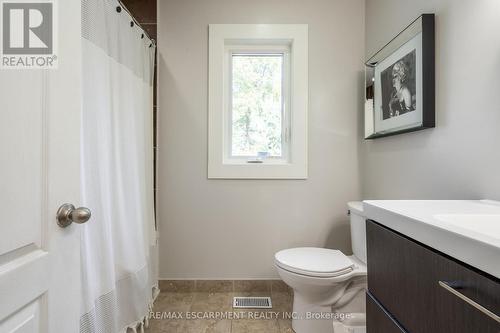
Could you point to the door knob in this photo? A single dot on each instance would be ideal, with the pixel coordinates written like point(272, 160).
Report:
point(67, 214)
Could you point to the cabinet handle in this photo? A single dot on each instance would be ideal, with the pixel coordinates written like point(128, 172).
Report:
point(449, 287)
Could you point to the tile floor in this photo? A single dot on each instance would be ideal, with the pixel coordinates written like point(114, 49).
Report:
point(182, 298)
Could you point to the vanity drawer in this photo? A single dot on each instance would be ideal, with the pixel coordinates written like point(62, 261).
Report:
point(404, 276)
point(378, 319)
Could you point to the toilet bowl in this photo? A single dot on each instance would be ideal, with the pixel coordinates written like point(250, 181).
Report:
point(326, 282)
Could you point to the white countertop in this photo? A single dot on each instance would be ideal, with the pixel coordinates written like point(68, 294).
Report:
point(468, 230)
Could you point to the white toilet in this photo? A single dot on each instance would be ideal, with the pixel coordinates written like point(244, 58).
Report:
point(329, 287)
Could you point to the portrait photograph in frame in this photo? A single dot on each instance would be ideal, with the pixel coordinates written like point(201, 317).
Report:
point(400, 83)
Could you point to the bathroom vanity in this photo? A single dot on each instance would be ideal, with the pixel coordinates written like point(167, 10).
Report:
point(433, 266)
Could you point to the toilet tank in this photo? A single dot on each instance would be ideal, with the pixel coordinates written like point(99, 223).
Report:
point(358, 230)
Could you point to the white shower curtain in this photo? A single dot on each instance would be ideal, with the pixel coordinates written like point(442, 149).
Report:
point(119, 272)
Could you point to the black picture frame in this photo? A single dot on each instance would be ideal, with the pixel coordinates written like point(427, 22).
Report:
point(426, 116)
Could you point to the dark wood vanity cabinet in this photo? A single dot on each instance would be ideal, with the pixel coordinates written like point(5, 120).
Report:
point(378, 319)
point(404, 293)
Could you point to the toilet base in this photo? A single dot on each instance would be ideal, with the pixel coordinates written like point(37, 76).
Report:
point(311, 317)
point(355, 324)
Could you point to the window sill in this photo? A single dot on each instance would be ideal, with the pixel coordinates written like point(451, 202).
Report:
point(266, 170)
point(276, 161)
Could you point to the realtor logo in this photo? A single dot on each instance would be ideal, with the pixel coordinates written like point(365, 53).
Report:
point(28, 32)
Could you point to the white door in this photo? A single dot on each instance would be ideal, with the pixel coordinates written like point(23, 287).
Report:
point(40, 171)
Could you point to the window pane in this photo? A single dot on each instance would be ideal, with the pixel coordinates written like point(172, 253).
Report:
point(257, 104)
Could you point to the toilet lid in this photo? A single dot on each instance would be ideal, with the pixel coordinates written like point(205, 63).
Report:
point(314, 261)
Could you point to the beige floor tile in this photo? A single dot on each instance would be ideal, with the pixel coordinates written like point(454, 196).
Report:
point(280, 286)
point(260, 321)
point(282, 302)
point(285, 326)
point(254, 326)
point(252, 293)
point(206, 326)
point(211, 286)
point(252, 285)
point(204, 302)
point(165, 326)
point(173, 302)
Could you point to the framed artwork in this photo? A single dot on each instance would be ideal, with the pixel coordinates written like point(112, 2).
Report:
point(400, 85)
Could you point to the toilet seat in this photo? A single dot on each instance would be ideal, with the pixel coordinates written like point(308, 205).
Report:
point(314, 262)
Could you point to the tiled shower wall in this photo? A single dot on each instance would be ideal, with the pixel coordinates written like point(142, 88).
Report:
point(144, 11)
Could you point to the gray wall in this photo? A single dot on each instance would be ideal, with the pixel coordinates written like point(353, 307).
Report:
point(460, 158)
point(225, 229)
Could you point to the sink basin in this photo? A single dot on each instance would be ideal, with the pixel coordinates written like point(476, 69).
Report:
point(487, 224)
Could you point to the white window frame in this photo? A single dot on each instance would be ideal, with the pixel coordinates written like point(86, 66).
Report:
point(292, 41)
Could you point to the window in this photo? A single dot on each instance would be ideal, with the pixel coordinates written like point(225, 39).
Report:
point(258, 101)
point(258, 105)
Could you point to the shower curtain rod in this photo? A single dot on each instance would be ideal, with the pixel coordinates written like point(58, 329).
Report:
point(135, 22)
